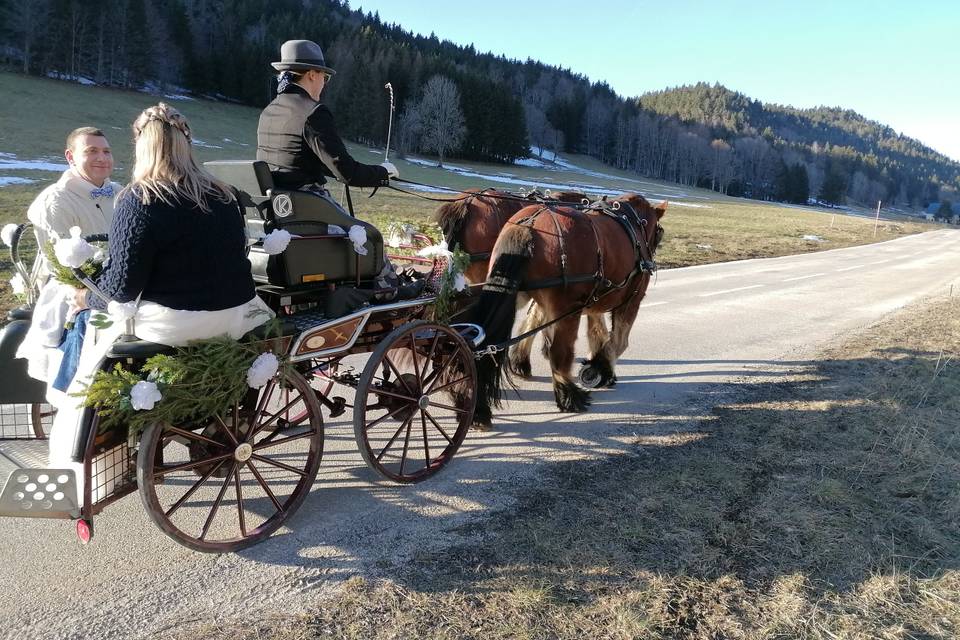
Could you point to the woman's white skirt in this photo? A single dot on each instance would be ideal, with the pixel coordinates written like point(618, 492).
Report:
point(155, 323)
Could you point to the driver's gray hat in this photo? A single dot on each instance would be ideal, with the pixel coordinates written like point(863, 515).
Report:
point(301, 55)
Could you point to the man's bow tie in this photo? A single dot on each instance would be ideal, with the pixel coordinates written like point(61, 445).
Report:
point(102, 192)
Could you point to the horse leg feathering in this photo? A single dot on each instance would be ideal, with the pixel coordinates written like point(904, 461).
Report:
point(519, 362)
point(495, 312)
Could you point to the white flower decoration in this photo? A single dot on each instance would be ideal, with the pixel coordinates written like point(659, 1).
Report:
point(459, 281)
point(144, 395)
point(18, 285)
point(7, 234)
point(122, 311)
point(395, 240)
point(336, 230)
point(358, 236)
point(276, 241)
point(262, 370)
point(74, 251)
point(436, 251)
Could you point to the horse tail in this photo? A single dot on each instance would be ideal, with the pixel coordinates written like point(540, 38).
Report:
point(496, 310)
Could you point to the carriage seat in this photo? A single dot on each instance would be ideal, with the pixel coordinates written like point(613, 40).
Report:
point(315, 256)
point(143, 349)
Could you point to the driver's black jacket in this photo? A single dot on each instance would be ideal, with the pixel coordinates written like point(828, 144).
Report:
point(297, 137)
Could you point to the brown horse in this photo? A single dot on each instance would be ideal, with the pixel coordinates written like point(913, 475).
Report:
point(473, 222)
point(570, 262)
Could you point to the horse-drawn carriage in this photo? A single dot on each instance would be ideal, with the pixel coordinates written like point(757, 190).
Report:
point(224, 481)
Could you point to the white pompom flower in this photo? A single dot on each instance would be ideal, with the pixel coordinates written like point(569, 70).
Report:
point(459, 281)
point(358, 236)
point(121, 311)
point(276, 241)
point(144, 395)
point(262, 370)
point(74, 251)
point(7, 234)
point(18, 285)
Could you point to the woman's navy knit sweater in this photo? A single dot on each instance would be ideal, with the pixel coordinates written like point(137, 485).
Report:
point(177, 255)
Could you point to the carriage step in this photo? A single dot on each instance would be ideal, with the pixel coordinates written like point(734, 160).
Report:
point(28, 489)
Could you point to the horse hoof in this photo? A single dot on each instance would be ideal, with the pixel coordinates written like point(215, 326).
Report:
point(521, 368)
point(590, 377)
point(481, 426)
point(571, 398)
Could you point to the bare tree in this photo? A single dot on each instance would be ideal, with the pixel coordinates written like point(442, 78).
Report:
point(443, 126)
point(408, 129)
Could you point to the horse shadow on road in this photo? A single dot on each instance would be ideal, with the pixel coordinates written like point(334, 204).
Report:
point(836, 471)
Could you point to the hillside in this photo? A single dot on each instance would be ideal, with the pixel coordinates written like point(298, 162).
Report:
point(700, 136)
point(821, 135)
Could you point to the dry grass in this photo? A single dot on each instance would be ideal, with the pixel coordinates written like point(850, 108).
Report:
point(822, 506)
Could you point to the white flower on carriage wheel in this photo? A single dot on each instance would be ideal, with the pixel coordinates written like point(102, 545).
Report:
point(144, 395)
point(74, 251)
point(18, 285)
point(7, 234)
point(262, 370)
point(358, 236)
point(276, 241)
point(121, 311)
point(459, 281)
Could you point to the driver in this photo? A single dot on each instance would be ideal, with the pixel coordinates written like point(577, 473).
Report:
point(297, 138)
point(296, 135)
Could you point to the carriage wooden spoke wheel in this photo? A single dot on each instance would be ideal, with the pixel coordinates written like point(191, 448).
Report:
point(415, 401)
point(233, 480)
point(41, 418)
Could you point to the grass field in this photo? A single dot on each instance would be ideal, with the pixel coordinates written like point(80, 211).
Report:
point(702, 226)
point(819, 506)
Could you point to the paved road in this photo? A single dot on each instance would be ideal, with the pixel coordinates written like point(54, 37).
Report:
point(698, 325)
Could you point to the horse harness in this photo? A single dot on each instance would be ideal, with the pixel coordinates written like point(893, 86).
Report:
point(644, 263)
point(626, 217)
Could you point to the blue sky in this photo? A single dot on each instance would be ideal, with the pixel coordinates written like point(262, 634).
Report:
point(895, 62)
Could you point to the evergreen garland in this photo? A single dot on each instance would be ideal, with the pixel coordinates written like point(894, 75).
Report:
point(198, 381)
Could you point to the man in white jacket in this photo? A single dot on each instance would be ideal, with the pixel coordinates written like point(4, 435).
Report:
point(82, 197)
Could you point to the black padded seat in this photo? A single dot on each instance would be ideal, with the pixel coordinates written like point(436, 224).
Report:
point(138, 349)
point(142, 349)
point(287, 328)
point(20, 313)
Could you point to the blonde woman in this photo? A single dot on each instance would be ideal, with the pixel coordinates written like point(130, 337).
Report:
point(177, 251)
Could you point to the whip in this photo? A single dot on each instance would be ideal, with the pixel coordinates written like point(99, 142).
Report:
point(386, 153)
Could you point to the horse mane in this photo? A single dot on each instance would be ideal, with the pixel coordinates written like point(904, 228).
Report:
point(641, 205)
point(451, 215)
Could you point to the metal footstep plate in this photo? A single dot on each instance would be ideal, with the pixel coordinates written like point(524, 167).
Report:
point(40, 493)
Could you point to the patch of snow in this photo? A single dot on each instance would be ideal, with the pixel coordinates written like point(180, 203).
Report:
point(813, 238)
point(8, 180)
point(9, 161)
point(177, 96)
point(530, 162)
point(674, 203)
point(705, 247)
point(197, 142)
point(56, 75)
point(431, 163)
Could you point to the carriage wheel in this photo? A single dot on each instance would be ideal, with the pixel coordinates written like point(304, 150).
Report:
point(41, 417)
point(227, 483)
point(410, 422)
